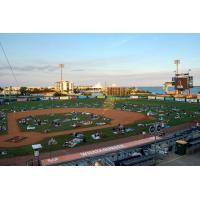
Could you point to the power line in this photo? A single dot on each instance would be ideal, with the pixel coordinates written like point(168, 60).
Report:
point(13, 74)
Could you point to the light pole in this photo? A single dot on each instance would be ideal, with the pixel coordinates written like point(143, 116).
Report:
point(157, 130)
point(154, 130)
point(177, 62)
point(61, 77)
point(61, 68)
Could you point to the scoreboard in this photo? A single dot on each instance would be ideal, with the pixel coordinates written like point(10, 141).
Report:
point(182, 83)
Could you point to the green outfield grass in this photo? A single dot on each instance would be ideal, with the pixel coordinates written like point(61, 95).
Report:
point(171, 110)
point(35, 105)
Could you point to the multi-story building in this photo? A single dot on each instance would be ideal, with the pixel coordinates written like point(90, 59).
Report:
point(117, 91)
point(11, 90)
point(83, 87)
point(64, 86)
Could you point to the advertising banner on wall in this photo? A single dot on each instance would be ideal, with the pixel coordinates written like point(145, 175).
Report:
point(101, 97)
point(82, 97)
point(34, 99)
point(64, 98)
point(44, 98)
point(92, 97)
point(21, 99)
point(191, 100)
point(133, 97)
point(55, 98)
point(151, 97)
point(180, 99)
point(169, 99)
point(160, 98)
point(73, 97)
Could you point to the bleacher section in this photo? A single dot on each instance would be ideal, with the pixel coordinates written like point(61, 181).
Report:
point(125, 157)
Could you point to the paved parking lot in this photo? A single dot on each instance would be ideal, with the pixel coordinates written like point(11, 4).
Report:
point(185, 160)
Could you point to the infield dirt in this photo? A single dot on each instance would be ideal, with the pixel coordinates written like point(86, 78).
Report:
point(116, 116)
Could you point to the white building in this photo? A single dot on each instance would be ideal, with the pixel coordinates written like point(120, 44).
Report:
point(64, 86)
point(97, 86)
point(11, 90)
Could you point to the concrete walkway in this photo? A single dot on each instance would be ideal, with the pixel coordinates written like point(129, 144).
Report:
point(185, 160)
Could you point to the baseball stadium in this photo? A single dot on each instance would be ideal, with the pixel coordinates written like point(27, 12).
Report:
point(98, 125)
point(81, 131)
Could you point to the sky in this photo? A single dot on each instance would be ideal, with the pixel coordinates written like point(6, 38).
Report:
point(121, 59)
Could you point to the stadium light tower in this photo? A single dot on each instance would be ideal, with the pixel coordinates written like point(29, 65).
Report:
point(61, 77)
point(177, 62)
point(61, 68)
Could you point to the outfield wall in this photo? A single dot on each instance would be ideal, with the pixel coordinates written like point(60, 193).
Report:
point(73, 97)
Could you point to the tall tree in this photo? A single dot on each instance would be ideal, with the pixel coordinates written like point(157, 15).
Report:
point(23, 90)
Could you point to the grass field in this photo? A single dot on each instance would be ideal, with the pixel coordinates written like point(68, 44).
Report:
point(173, 113)
point(60, 122)
point(107, 135)
point(37, 105)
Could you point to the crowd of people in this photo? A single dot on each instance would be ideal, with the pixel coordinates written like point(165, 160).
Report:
point(120, 129)
point(97, 135)
point(52, 141)
point(72, 119)
point(3, 126)
point(77, 139)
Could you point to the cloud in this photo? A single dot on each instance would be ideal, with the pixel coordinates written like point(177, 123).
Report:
point(99, 64)
point(119, 70)
point(78, 70)
point(29, 68)
point(110, 64)
point(123, 79)
point(131, 79)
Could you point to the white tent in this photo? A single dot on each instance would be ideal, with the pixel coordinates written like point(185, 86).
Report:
point(97, 86)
